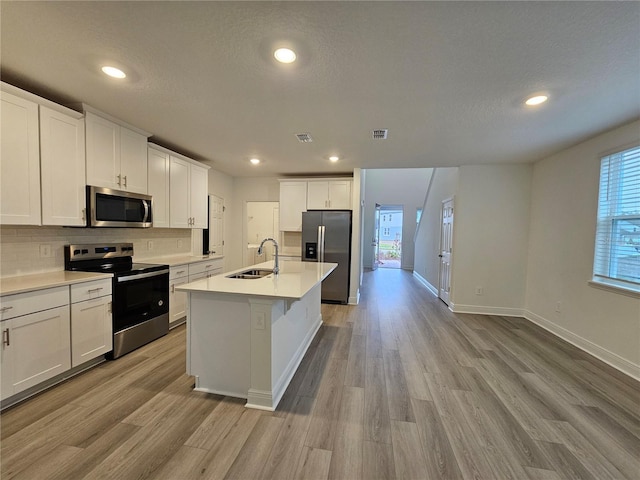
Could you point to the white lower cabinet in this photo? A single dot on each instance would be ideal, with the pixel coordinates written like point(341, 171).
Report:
point(205, 269)
point(91, 326)
point(35, 341)
point(178, 275)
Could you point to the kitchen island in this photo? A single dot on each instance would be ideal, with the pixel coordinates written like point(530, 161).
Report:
point(247, 336)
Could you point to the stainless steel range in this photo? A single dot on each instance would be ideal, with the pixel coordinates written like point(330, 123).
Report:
point(140, 292)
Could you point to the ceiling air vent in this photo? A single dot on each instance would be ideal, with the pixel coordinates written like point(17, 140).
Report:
point(304, 137)
point(380, 134)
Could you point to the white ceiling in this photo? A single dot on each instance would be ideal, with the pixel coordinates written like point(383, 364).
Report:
point(446, 78)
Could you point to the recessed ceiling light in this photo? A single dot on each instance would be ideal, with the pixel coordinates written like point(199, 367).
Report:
point(334, 158)
point(285, 55)
point(537, 100)
point(113, 72)
point(255, 161)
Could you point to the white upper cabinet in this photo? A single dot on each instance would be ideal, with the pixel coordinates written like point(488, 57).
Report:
point(62, 162)
point(189, 183)
point(20, 166)
point(331, 194)
point(293, 201)
point(179, 187)
point(158, 175)
point(116, 155)
point(199, 199)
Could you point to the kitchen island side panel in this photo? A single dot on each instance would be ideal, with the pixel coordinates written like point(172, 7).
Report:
point(219, 343)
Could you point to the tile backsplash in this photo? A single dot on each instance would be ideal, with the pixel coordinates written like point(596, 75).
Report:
point(23, 249)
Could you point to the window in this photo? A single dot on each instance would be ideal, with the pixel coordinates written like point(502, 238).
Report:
point(617, 250)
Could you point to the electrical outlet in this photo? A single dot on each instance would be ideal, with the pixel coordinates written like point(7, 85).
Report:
point(260, 321)
point(45, 251)
point(479, 291)
point(558, 307)
point(149, 245)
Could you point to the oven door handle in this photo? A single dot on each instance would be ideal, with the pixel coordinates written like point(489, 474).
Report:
point(129, 278)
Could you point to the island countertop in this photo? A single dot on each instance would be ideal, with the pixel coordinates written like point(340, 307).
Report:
point(294, 280)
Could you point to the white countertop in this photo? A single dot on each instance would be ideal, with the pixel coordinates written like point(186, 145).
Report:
point(294, 281)
point(38, 281)
point(178, 259)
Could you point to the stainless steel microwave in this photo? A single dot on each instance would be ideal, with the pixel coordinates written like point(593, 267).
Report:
point(115, 208)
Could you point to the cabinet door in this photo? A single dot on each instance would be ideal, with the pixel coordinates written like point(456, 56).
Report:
point(62, 160)
point(91, 329)
point(216, 225)
point(179, 193)
point(177, 300)
point(103, 152)
point(20, 166)
point(158, 173)
point(199, 185)
point(133, 161)
point(317, 195)
point(340, 195)
point(293, 201)
point(38, 349)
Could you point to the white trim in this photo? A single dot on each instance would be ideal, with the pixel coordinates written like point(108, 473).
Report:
point(88, 108)
point(18, 92)
point(608, 357)
point(160, 148)
point(260, 400)
point(225, 393)
point(426, 283)
point(486, 310)
point(355, 300)
point(615, 287)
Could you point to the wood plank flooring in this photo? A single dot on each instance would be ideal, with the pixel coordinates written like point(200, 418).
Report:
point(397, 387)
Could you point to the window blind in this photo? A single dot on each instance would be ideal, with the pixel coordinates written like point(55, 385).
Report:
point(617, 249)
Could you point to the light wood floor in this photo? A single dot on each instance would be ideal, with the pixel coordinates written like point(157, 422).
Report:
point(397, 387)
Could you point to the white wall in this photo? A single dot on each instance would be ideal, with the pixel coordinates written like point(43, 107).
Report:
point(560, 260)
point(427, 245)
point(394, 186)
point(490, 238)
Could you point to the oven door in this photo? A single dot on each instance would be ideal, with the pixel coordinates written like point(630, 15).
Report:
point(141, 297)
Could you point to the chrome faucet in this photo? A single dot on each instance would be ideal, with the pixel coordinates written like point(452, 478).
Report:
point(276, 268)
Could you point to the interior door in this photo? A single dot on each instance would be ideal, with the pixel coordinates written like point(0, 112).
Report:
point(446, 243)
point(376, 238)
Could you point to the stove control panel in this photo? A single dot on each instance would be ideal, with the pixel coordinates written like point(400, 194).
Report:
point(97, 251)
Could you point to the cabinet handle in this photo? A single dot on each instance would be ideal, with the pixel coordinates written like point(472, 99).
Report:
point(91, 290)
point(173, 288)
point(4, 309)
point(208, 266)
point(5, 337)
point(125, 181)
point(110, 307)
point(180, 272)
point(119, 180)
point(84, 214)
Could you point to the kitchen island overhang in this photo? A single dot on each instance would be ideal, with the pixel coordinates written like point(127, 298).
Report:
point(247, 337)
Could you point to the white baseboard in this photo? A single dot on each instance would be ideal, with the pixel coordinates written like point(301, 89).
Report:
point(610, 358)
point(355, 300)
point(485, 310)
point(426, 283)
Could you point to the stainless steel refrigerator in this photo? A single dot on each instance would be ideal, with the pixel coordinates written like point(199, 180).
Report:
point(326, 237)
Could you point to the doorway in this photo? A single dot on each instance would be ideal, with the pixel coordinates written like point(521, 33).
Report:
point(262, 221)
point(389, 236)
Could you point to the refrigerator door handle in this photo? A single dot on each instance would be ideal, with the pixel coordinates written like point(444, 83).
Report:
point(321, 243)
point(319, 247)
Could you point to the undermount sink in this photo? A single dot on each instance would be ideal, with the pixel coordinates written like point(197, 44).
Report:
point(251, 274)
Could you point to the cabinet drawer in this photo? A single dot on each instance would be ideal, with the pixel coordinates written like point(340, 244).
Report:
point(30, 302)
point(89, 290)
point(205, 267)
point(197, 276)
point(178, 271)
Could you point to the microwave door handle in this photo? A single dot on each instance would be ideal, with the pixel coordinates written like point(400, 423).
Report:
point(146, 211)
